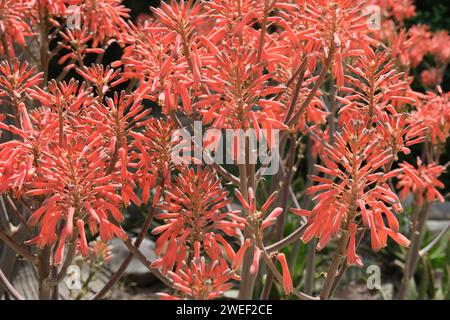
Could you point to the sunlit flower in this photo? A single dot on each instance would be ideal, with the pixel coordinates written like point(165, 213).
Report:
point(192, 212)
point(76, 41)
point(400, 131)
point(257, 220)
point(373, 88)
point(76, 154)
point(355, 190)
point(102, 78)
point(200, 279)
point(70, 97)
point(75, 191)
point(16, 79)
point(19, 159)
point(105, 18)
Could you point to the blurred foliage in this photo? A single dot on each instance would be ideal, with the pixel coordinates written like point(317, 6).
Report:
point(433, 12)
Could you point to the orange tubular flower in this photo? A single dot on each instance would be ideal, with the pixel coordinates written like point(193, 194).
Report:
point(432, 77)
point(152, 57)
point(165, 55)
point(70, 97)
point(287, 280)
point(254, 216)
point(99, 252)
point(355, 188)
point(239, 257)
point(352, 257)
point(62, 163)
point(257, 220)
point(236, 90)
point(338, 24)
point(401, 10)
point(420, 37)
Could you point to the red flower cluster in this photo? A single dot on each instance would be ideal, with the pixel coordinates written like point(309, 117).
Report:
point(76, 189)
point(199, 280)
point(154, 147)
point(377, 88)
point(354, 191)
point(421, 181)
point(413, 45)
point(16, 79)
point(229, 70)
point(70, 159)
point(192, 214)
point(434, 112)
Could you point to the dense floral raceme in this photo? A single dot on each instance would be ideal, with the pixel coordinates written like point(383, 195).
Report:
point(86, 140)
point(200, 280)
point(354, 189)
point(192, 214)
point(422, 181)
